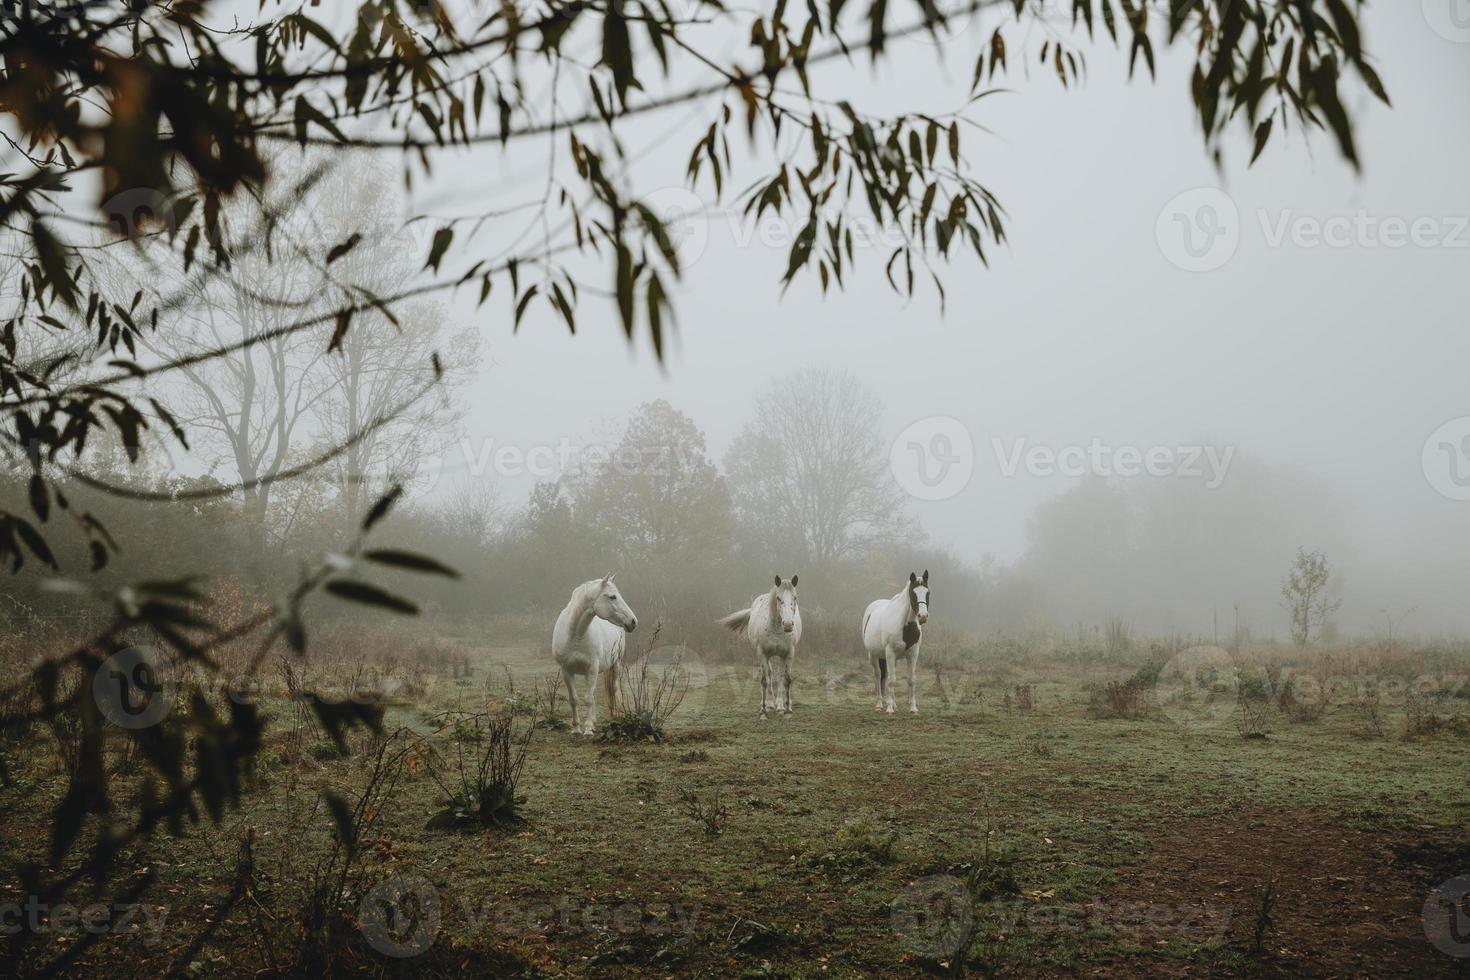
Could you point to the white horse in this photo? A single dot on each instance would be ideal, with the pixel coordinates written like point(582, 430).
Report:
point(588, 639)
point(772, 624)
point(894, 625)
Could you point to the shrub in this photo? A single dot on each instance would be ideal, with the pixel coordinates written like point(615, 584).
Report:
point(1118, 699)
point(1422, 717)
point(711, 815)
point(863, 837)
point(1370, 719)
point(1254, 711)
point(479, 784)
point(647, 698)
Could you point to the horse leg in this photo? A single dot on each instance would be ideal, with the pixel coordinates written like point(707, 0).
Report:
point(890, 661)
point(913, 670)
point(765, 683)
point(878, 677)
point(591, 721)
point(572, 700)
point(786, 680)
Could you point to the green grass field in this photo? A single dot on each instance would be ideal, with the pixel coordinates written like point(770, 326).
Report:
point(1007, 829)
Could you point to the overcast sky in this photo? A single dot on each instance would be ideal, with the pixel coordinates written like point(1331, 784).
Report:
point(1303, 329)
point(1339, 358)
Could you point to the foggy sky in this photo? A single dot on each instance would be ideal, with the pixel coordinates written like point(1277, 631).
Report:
point(1329, 363)
point(1337, 361)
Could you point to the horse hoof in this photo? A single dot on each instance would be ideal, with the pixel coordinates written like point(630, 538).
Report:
point(763, 716)
point(888, 710)
point(914, 710)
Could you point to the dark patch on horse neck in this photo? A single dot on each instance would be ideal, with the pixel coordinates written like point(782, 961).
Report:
point(911, 633)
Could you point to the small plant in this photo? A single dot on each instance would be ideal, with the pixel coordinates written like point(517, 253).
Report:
point(1304, 593)
point(480, 783)
point(1255, 710)
point(544, 700)
point(694, 756)
point(338, 874)
point(1025, 698)
point(1420, 718)
point(1264, 918)
point(647, 698)
point(1040, 745)
point(711, 815)
point(863, 838)
point(1118, 699)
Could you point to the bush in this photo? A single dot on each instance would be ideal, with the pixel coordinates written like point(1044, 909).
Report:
point(1118, 699)
point(1254, 711)
point(480, 783)
point(711, 815)
point(647, 698)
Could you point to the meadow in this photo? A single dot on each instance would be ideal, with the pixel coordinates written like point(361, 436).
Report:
point(1112, 807)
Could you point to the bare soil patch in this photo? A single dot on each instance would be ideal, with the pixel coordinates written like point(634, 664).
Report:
point(1348, 903)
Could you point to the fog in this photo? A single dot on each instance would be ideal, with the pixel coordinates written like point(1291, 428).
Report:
point(1169, 379)
point(1317, 368)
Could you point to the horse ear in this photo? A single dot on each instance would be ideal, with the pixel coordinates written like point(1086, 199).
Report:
point(793, 580)
point(913, 578)
point(607, 578)
point(926, 576)
point(778, 580)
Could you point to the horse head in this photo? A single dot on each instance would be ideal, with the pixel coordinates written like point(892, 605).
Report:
point(611, 606)
point(783, 602)
point(919, 596)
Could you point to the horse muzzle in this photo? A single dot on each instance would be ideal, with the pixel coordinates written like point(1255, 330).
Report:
point(788, 627)
point(631, 625)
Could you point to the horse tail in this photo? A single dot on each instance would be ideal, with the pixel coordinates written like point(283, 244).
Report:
point(610, 688)
point(736, 622)
point(867, 615)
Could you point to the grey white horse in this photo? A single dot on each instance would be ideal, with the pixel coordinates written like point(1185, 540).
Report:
point(772, 624)
point(588, 640)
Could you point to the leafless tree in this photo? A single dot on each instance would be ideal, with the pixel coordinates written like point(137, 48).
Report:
point(810, 470)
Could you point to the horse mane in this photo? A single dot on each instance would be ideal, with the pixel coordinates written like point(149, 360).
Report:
point(773, 611)
point(580, 605)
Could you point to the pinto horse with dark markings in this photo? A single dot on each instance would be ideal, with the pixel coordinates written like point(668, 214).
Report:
point(893, 626)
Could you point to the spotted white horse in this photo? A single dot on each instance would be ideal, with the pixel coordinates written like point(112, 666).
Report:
point(893, 626)
point(772, 624)
point(588, 640)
